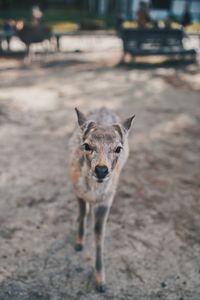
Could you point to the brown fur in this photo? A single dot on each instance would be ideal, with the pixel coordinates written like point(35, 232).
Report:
point(100, 141)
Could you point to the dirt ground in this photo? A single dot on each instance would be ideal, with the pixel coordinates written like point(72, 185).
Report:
point(153, 233)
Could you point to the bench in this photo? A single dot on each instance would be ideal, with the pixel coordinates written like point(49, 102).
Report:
point(34, 37)
point(5, 37)
point(28, 35)
point(155, 41)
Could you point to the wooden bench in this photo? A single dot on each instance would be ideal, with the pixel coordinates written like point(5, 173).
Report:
point(154, 41)
point(35, 37)
point(28, 35)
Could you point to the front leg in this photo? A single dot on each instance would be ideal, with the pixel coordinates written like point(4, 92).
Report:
point(101, 215)
point(81, 225)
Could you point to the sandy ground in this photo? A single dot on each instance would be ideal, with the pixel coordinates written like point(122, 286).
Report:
point(153, 233)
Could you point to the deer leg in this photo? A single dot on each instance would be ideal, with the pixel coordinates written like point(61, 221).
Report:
point(81, 225)
point(101, 214)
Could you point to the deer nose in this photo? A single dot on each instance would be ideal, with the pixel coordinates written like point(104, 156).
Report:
point(101, 171)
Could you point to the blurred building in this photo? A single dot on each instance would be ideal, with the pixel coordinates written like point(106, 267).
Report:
point(161, 9)
point(178, 8)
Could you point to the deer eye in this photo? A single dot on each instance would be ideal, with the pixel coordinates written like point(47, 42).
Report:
point(118, 149)
point(87, 147)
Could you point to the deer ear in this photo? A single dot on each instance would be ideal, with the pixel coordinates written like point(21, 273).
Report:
point(127, 123)
point(119, 129)
point(81, 117)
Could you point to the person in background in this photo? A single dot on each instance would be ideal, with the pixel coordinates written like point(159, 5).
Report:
point(143, 14)
point(8, 29)
point(37, 15)
point(186, 18)
point(119, 22)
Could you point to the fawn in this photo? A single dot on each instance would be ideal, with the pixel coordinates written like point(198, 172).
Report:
point(98, 151)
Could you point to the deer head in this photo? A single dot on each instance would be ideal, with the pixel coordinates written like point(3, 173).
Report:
point(102, 146)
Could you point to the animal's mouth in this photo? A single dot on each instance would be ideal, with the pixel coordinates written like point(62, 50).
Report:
point(101, 180)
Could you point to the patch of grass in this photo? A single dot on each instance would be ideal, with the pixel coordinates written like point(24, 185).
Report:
point(130, 24)
point(64, 26)
point(134, 24)
point(193, 27)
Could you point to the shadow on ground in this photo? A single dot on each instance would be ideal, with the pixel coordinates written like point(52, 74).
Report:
point(152, 239)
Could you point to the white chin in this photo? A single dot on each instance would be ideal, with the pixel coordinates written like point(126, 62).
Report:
point(101, 180)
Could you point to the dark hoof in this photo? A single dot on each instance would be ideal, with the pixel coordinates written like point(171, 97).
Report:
point(78, 247)
point(101, 288)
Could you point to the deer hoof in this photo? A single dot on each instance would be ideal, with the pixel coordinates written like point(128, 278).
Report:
point(78, 247)
point(101, 288)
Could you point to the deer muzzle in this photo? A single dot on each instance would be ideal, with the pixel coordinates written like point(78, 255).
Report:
point(101, 172)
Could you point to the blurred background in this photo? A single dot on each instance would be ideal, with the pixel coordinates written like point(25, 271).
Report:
point(99, 13)
point(133, 57)
point(62, 18)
